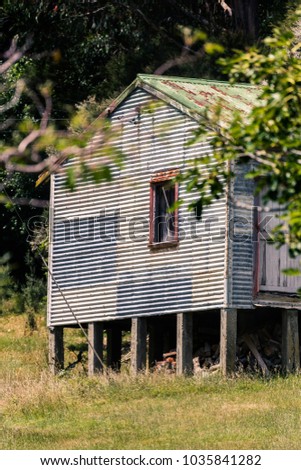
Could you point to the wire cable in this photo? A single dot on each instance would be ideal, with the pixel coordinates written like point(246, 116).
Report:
point(56, 283)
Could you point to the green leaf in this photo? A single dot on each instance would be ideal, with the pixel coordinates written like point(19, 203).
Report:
point(291, 272)
point(213, 48)
point(71, 179)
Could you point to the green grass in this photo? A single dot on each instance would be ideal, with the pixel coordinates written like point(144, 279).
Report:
point(38, 411)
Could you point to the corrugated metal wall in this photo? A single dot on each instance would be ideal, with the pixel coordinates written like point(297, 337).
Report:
point(100, 257)
point(256, 264)
point(243, 239)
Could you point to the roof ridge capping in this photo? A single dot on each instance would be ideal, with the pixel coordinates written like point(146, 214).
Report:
point(198, 81)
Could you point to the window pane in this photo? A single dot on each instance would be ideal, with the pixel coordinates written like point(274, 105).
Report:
point(164, 220)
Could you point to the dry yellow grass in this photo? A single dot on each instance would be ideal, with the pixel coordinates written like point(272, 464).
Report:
point(39, 411)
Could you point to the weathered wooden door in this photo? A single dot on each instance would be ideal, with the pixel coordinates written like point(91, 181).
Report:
point(273, 261)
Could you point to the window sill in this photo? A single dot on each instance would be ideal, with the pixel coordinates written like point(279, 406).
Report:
point(162, 245)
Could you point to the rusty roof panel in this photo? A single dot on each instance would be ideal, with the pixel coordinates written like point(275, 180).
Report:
point(194, 95)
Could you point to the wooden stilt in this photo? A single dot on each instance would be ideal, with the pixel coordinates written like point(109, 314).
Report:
point(95, 348)
point(56, 349)
point(138, 345)
point(290, 341)
point(228, 334)
point(184, 343)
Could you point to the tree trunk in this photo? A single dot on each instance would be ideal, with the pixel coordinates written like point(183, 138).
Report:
point(245, 17)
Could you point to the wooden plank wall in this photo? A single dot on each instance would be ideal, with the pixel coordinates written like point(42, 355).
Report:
point(272, 262)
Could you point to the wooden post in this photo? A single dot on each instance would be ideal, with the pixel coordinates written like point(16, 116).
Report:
point(138, 345)
point(184, 343)
point(228, 334)
point(290, 341)
point(95, 348)
point(114, 342)
point(56, 349)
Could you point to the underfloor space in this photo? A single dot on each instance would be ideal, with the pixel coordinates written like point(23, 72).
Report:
point(260, 341)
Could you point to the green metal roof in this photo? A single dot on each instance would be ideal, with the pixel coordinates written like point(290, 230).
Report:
point(193, 95)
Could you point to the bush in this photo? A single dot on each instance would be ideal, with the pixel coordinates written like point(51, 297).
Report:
point(34, 293)
point(11, 301)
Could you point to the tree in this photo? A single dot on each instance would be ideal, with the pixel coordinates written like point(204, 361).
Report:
point(270, 135)
point(97, 47)
point(56, 54)
point(31, 142)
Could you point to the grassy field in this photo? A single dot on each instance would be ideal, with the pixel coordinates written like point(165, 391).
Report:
point(38, 411)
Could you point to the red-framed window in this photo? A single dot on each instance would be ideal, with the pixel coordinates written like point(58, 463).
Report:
point(164, 192)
